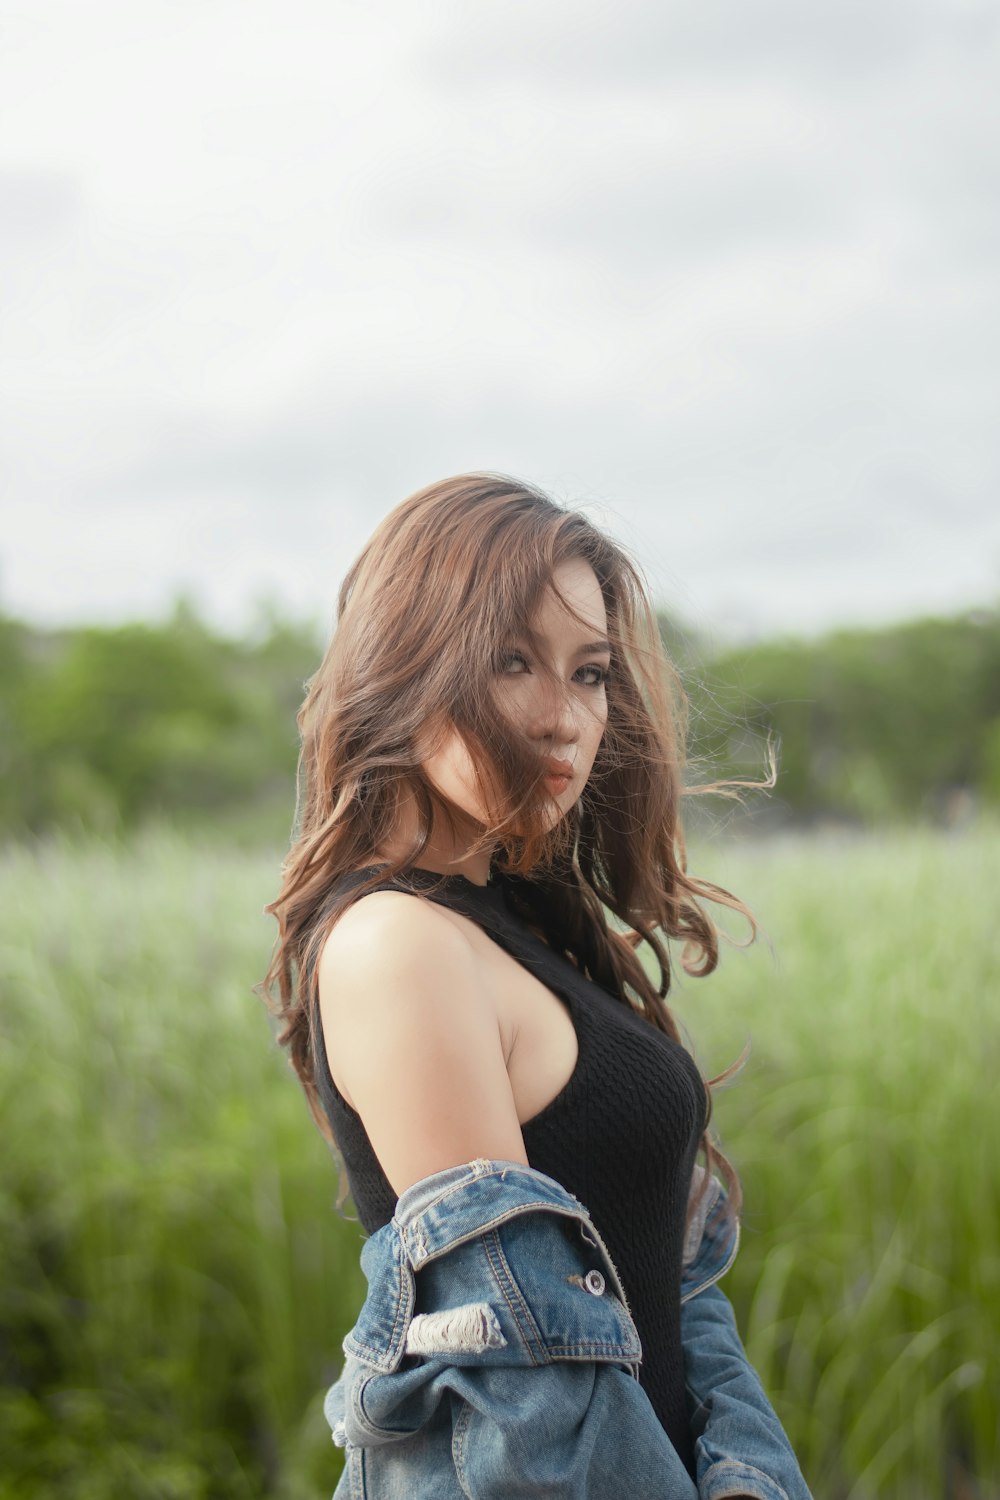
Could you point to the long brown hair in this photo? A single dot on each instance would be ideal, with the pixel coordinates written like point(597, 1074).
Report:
point(448, 580)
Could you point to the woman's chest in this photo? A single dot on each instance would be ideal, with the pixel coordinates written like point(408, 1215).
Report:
point(578, 1059)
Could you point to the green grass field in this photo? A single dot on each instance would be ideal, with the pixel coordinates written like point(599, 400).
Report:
point(175, 1282)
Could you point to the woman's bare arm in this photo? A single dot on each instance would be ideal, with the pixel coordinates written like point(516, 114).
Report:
point(413, 1039)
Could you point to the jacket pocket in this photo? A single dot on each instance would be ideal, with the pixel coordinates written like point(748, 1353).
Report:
point(535, 1289)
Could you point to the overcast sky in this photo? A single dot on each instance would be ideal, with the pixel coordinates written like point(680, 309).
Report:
point(724, 275)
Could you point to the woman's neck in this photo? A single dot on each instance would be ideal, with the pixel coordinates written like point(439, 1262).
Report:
point(443, 854)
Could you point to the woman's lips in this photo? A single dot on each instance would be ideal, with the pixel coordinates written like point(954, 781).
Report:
point(558, 774)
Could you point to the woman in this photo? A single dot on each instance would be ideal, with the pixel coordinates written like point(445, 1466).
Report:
point(492, 754)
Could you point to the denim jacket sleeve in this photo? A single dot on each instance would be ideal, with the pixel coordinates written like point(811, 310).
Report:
point(740, 1445)
point(508, 1366)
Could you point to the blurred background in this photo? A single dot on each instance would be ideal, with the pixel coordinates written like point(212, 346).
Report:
point(723, 277)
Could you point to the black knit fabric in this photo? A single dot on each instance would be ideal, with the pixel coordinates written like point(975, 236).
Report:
point(621, 1135)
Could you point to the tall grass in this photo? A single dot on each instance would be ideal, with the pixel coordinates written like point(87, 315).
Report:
point(174, 1281)
point(175, 1284)
point(866, 1127)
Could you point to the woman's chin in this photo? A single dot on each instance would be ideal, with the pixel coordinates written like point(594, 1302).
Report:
point(555, 811)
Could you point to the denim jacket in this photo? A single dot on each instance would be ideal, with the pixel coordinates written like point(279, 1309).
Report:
point(518, 1374)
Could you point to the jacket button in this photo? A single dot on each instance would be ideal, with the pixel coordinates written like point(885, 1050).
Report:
point(594, 1282)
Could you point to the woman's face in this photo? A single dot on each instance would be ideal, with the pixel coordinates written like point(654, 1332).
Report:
point(564, 715)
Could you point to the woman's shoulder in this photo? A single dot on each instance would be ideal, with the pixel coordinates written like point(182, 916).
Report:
point(384, 926)
point(412, 1037)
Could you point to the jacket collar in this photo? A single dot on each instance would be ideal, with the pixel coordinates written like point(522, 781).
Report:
point(712, 1237)
point(451, 1207)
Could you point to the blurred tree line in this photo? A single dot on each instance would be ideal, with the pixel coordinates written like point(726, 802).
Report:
point(102, 727)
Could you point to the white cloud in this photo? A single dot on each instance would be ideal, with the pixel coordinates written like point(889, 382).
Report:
point(725, 272)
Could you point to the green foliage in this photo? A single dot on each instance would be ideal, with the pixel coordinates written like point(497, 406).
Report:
point(103, 728)
point(108, 726)
point(175, 1283)
point(990, 762)
point(874, 726)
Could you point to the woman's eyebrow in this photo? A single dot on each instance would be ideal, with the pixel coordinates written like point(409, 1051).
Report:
point(589, 649)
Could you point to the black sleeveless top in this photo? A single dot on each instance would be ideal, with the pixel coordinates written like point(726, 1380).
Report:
point(621, 1135)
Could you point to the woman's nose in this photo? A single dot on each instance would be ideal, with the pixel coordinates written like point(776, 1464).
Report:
point(554, 715)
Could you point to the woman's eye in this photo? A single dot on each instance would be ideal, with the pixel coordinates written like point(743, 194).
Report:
point(514, 660)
